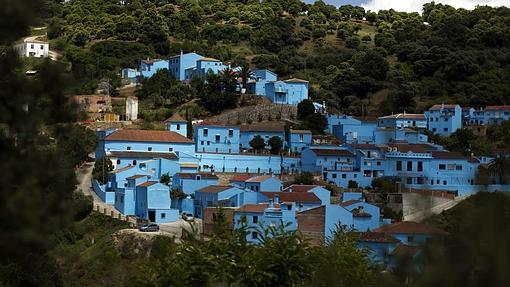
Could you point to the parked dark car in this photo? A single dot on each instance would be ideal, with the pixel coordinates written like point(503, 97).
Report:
point(152, 227)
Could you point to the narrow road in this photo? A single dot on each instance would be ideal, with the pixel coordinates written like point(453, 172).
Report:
point(421, 215)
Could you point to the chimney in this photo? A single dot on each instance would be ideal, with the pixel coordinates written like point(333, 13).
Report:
point(271, 205)
point(277, 199)
point(181, 52)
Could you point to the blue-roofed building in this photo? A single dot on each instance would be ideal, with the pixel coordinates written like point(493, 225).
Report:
point(316, 159)
point(444, 119)
point(216, 137)
point(418, 121)
point(257, 82)
point(150, 67)
point(125, 197)
point(191, 182)
point(266, 83)
point(298, 140)
point(495, 115)
point(215, 196)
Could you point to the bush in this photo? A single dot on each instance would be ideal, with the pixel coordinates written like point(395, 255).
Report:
point(304, 178)
point(352, 184)
point(352, 42)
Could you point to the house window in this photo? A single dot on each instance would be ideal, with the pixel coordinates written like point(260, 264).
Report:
point(442, 166)
point(149, 148)
point(445, 129)
point(178, 127)
point(344, 175)
point(31, 46)
point(199, 177)
point(163, 215)
point(206, 132)
point(409, 180)
point(42, 47)
point(230, 133)
point(458, 167)
point(243, 218)
point(118, 161)
point(444, 182)
point(255, 219)
point(399, 165)
point(170, 149)
point(409, 166)
point(333, 175)
point(128, 148)
point(121, 198)
point(378, 163)
point(432, 182)
point(217, 138)
point(208, 143)
point(420, 166)
point(202, 142)
point(420, 180)
point(254, 235)
point(410, 238)
point(301, 138)
point(134, 162)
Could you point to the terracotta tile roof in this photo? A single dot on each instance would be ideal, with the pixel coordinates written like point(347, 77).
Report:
point(405, 250)
point(308, 210)
point(349, 202)
point(255, 208)
point(204, 175)
point(497, 108)
point(142, 154)
point(215, 124)
point(136, 176)
point(262, 128)
point(309, 197)
point(241, 177)
point(366, 146)
point(453, 155)
point(359, 212)
point(121, 169)
point(176, 117)
point(148, 183)
point(300, 188)
point(260, 178)
point(214, 188)
point(409, 227)
point(415, 148)
point(438, 107)
point(376, 237)
point(300, 132)
point(405, 116)
point(147, 136)
point(209, 59)
point(188, 164)
point(332, 152)
point(295, 80)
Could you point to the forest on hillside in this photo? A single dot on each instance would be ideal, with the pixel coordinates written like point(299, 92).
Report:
point(388, 61)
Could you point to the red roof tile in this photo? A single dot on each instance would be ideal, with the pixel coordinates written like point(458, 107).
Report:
point(438, 107)
point(497, 108)
point(404, 250)
point(241, 177)
point(255, 208)
point(136, 176)
point(295, 80)
point(262, 128)
point(377, 237)
point(203, 175)
point(147, 136)
point(453, 155)
point(176, 117)
point(300, 132)
point(121, 169)
point(215, 124)
point(293, 196)
point(142, 154)
point(405, 116)
point(349, 202)
point(415, 148)
point(148, 183)
point(409, 227)
point(300, 188)
point(258, 179)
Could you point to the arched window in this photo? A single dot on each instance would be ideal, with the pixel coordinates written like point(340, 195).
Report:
point(134, 162)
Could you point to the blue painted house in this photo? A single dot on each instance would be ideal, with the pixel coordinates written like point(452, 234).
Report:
point(178, 65)
point(404, 120)
point(217, 137)
point(176, 123)
point(444, 119)
point(316, 159)
point(191, 182)
point(495, 115)
point(365, 216)
point(150, 67)
point(154, 203)
point(266, 131)
point(147, 141)
point(215, 196)
point(204, 66)
point(290, 92)
point(257, 82)
point(125, 198)
point(320, 192)
point(298, 140)
point(263, 183)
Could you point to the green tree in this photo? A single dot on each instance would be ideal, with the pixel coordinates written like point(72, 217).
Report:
point(257, 143)
point(483, 176)
point(352, 42)
point(304, 178)
point(500, 168)
point(101, 169)
point(316, 123)
point(352, 184)
point(165, 179)
point(76, 142)
point(305, 108)
point(276, 144)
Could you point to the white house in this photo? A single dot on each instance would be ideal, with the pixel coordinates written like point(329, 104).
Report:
point(33, 48)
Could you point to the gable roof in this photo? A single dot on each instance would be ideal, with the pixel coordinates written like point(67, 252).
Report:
point(136, 176)
point(332, 152)
point(259, 179)
point(349, 202)
point(438, 107)
point(262, 128)
point(308, 197)
point(377, 237)
point(300, 188)
point(206, 175)
point(214, 188)
point(415, 148)
point(295, 80)
point(241, 177)
point(409, 227)
point(142, 154)
point(176, 117)
point(453, 155)
point(300, 131)
point(208, 59)
point(216, 124)
point(147, 136)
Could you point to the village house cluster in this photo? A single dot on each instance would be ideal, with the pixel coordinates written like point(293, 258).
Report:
point(186, 66)
point(361, 150)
